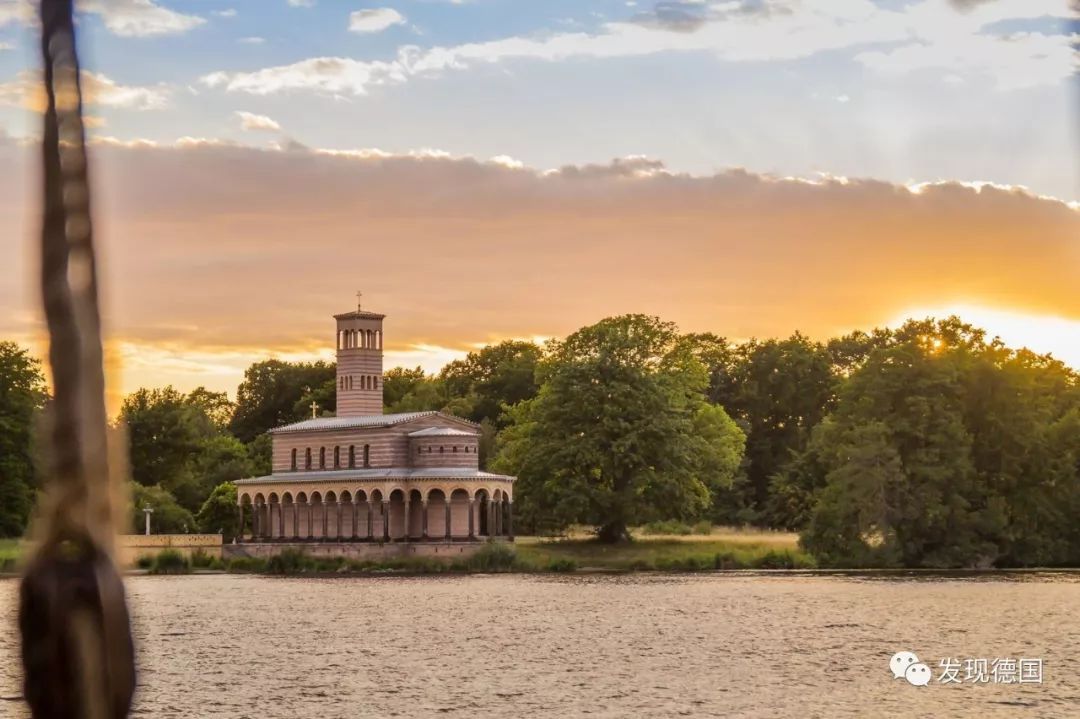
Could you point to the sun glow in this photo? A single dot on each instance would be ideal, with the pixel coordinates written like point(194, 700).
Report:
point(1045, 334)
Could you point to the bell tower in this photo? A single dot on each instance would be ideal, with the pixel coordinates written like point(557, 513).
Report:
point(359, 362)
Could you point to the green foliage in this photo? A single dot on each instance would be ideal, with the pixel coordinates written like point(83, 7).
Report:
point(246, 565)
point(22, 398)
point(170, 561)
point(168, 517)
point(492, 379)
point(288, 561)
point(399, 382)
point(667, 527)
point(202, 560)
point(272, 392)
point(948, 450)
point(219, 512)
point(493, 557)
point(562, 564)
point(619, 431)
point(778, 391)
point(179, 442)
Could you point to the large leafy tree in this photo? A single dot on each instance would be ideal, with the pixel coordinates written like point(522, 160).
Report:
point(165, 431)
point(619, 432)
point(22, 397)
point(178, 443)
point(778, 391)
point(168, 517)
point(945, 450)
point(495, 377)
point(273, 393)
point(218, 513)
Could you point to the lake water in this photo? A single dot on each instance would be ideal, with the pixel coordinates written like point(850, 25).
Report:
point(597, 646)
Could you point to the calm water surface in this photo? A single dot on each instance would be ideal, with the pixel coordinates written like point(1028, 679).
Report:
point(625, 646)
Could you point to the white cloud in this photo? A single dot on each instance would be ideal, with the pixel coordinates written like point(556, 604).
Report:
point(252, 40)
point(16, 11)
point(25, 91)
point(257, 123)
point(140, 18)
point(929, 34)
point(230, 12)
point(6, 46)
point(301, 3)
point(374, 20)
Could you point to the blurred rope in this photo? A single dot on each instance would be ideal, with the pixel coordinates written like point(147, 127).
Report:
point(77, 650)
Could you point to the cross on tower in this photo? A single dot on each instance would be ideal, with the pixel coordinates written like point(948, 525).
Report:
point(359, 298)
point(314, 410)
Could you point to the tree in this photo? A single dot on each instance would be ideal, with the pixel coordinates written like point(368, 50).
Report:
point(778, 391)
point(164, 431)
point(948, 450)
point(214, 406)
point(495, 377)
point(272, 392)
point(398, 382)
point(219, 512)
point(22, 398)
point(614, 436)
point(168, 517)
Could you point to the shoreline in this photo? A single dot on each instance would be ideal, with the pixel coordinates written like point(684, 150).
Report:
point(457, 572)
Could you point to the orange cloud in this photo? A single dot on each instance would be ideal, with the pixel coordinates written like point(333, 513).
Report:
point(210, 245)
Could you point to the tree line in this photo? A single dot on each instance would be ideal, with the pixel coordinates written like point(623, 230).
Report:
point(930, 445)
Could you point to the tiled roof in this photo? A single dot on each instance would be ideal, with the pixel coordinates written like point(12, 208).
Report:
point(361, 475)
point(359, 315)
point(442, 432)
point(367, 420)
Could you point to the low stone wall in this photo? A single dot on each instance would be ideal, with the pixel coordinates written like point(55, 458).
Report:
point(129, 547)
point(373, 551)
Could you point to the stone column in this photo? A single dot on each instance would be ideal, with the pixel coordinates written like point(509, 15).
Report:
point(408, 511)
point(310, 519)
point(423, 509)
point(255, 522)
point(281, 520)
point(325, 519)
point(449, 535)
point(355, 519)
point(472, 506)
point(338, 534)
point(386, 520)
point(368, 533)
point(510, 520)
point(240, 516)
point(295, 520)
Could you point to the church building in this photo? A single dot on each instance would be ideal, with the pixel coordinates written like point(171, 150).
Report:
point(366, 476)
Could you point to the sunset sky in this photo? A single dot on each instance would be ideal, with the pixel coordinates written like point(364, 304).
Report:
point(486, 169)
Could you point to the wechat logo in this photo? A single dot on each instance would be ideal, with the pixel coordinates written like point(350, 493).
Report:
point(908, 666)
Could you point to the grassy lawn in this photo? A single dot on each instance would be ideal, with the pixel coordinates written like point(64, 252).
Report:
point(9, 552)
point(724, 549)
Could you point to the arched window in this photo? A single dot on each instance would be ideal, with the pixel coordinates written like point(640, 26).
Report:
point(322, 457)
point(294, 459)
point(442, 449)
point(367, 455)
point(455, 448)
point(337, 457)
point(307, 458)
point(352, 456)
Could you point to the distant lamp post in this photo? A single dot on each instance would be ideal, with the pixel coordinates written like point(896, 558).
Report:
point(147, 511)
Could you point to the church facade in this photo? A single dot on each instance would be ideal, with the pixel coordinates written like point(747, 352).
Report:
point(366, 476)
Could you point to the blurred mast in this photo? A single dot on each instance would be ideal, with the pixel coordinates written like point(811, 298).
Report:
point(77, 650)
